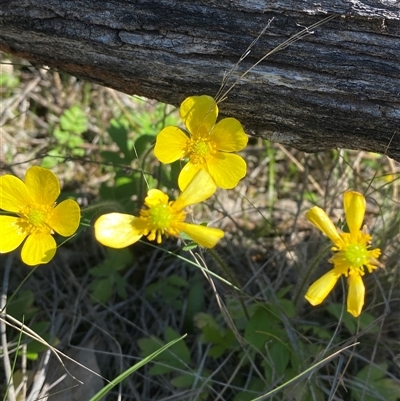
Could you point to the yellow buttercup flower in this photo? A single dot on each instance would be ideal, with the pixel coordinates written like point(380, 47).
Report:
point(351, 253)
point(208, 145)
point(36, 215)
point(160, 217)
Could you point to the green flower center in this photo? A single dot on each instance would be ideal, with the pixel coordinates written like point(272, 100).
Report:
point(33, 219)
point(201, 148)
point(36, 217)
point(160, 216)
point(356, 255)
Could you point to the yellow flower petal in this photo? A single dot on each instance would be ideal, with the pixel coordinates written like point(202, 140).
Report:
point(356, 296)
point(199, 189)
point(204, 236)
point(43, 185)
point(65, 218)
point(226, 169)
point(155, 197)
point(14, 194)
point(228, 135)
point(38, 249)
point(320, 219)
point(116, 230)
point(170, 145)
point(187, 174)
point(199, 114)
point(320, 289)
point(354, 209)
point(10, 237)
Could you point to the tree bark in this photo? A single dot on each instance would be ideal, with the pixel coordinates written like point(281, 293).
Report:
point(337, 87)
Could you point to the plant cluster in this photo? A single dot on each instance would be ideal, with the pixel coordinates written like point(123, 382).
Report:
point(255, 338)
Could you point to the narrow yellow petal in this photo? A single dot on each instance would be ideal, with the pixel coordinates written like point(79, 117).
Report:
point(199, 114)
point(354, 209)
point(116, 230)
point(202, 235)
point(38, 249)
point(10, 236)
point(170, 145)
point(199, 189)
point(188, 173)
point(65, 218)
point(14, 194)
point(228, 135)
point(320, 219)
point(320, 289)
point(356, 296)
point(226, 169)
point(43, 185)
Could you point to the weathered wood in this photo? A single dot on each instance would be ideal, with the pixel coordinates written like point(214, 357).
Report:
point(337, 87)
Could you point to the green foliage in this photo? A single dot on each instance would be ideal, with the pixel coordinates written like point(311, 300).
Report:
point(108, 275)
point(222, 340)
point(352, 324)
point(168, 290)
point(372, 384)
point(175, 363)
point(21, 306)
point(68, 136)
point(135, 170)
point(8, 81)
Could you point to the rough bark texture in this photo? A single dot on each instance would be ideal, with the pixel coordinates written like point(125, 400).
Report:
point(337, 87)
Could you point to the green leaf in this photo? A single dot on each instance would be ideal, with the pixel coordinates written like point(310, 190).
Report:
point(149, 345)
point(372, 384)
point(256, 386)
point(101, 290)
point(367, 320)
point(180, 350)
point(21, 307)
point(280, 355)
point(74, 120)
point(177, 281)
point(143, 144)
point(183, 381)
point(178, 356)
point(213, 335)
point(202, 320)
point(112, 157)
point(288, 307)
point(118, 131)
point(348, 320)
point(74, 141)
point(52, 159)
point(121, 283)
point(8, 80)
point(116, 260)
point(61, 136)
point(257, 327)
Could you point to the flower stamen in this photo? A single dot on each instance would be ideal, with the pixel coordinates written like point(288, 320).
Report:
point(356, 255)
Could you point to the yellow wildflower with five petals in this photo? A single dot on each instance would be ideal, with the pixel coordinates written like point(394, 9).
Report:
point(36, 217)
point(160, 217)
point(208, 145)
point(351, 253)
